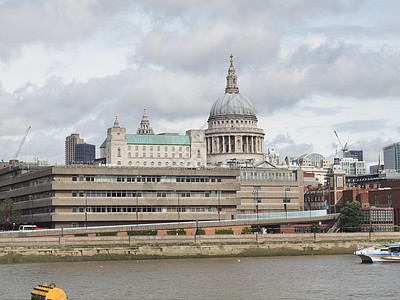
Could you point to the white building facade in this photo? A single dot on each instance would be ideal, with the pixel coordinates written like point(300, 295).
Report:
point(146, 149)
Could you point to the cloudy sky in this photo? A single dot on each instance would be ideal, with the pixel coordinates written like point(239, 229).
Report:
point(309, 67)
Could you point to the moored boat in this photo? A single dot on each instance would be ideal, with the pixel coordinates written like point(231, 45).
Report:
point(380, 254)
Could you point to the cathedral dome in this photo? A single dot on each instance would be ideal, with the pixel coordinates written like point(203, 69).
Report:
point(232, 102)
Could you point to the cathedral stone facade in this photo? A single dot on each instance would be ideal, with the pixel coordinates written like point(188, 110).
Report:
point(232, 137)
point(232, 133)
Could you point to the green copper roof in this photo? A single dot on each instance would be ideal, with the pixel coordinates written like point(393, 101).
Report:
point(152, 139)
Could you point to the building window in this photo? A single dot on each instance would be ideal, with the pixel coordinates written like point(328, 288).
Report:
point(136, 148)
point(144, 148)
point(180, 149)
point(173, 155)
point(151, 154)
point(198, 154)
point(158, 148)
point(129, 154)
point(165, 148)
point(151, 148)
point(119, 152)
point(130, 163)
point(390, 200)
point(119, 163)
point(165, 155)
point(129, 148)
point(376, 200)
point(158, 155)
point(173, 148)
point(136, 154)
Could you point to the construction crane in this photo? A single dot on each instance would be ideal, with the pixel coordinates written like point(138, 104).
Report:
point(344, 149)
point(22, 142)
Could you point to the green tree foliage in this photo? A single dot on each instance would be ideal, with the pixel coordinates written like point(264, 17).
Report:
point(315, 228)
point(8, 215)
point(246, 230)
point(351, 217)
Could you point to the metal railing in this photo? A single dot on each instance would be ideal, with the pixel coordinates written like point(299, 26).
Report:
point(282, 215)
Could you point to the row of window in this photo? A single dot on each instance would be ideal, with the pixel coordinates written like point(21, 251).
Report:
point(267, 176)
point(151, 148)
point(377, 228)
point(144, 155)
point(138, 178)
point(133, 194)
point(133, 209)
point(159, 164)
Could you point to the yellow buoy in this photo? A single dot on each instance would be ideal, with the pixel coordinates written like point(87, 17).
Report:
point(48, 292)
point(238, 260)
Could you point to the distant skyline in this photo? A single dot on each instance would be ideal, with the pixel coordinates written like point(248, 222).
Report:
point(309, 67)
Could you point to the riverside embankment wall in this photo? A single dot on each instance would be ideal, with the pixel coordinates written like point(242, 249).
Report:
point(38, 249)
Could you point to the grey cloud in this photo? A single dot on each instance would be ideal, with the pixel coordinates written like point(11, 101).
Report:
point(361, 126)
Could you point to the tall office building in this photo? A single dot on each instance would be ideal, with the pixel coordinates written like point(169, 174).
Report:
point(84, 153)
point(391, 157)
point(357, 154)
point(70, 142)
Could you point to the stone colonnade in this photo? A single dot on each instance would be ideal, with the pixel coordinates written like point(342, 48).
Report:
point(235, 144)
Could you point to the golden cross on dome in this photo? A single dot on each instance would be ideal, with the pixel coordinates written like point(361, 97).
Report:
point(231, 60)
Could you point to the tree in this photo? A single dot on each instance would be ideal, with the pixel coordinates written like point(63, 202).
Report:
point(9, 215)
point(351, 217)
point(315, 228)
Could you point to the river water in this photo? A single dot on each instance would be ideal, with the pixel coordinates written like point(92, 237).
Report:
point(298, 277)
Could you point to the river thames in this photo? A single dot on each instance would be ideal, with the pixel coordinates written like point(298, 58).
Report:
point(298, 277)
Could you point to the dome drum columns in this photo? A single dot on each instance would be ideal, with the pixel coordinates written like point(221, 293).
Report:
point(234, 144)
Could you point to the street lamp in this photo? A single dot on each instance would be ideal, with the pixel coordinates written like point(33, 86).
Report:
point(256, 200)
point(219, 206)
point(285, 199)
point(137, 207)
point(30, 198)
point(85, 209)
point(179, 216)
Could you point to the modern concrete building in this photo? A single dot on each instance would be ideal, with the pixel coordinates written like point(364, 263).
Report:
point(232, 133)
point(146, 149)
point(70, 142)
point(89, 195)
point(391, 157)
